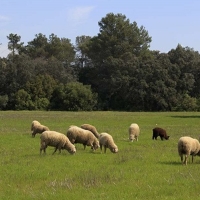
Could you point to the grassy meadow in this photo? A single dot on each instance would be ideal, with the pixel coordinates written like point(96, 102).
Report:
point(146, 169)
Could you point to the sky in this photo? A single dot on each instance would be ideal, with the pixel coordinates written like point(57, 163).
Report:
point(169, 23)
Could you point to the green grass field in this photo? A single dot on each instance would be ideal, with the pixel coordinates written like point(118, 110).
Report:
point(146, 169)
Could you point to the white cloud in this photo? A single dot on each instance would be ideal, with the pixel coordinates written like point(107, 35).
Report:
point(79, 14)
point(4, 51)
point(3, 18)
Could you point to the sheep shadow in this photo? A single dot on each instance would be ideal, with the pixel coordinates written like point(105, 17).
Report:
point(187, 116)
point(170, 162)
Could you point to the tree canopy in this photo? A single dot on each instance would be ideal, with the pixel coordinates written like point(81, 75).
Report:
point(114, 70)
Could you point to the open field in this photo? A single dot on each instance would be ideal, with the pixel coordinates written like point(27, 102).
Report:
point(146, 169)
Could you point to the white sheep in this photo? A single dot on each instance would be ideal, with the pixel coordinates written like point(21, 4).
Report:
point(106, 141)
point(188, 146)
point(57, 140)
point(36, 127)
point(90, 128)
point(134, 132)
point(82, 136)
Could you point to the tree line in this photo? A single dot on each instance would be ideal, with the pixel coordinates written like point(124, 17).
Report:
point(114, 70)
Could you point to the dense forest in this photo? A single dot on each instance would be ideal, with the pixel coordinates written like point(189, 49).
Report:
point(115, 70)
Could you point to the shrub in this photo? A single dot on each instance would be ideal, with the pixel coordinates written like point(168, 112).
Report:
point(187, 103)
point(3, 101)
point(23, 100)
point(74, 96)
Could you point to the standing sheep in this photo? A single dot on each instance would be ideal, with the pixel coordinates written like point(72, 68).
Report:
point(82, 136)
point(188, 146)
point(134, 132)
point(91, 128)
point(57, 140)
point(107, 141)
point(36, 127)
point(159, 132)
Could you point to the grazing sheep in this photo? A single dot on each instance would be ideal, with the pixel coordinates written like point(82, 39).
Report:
point(134, 132)
point(57, 140)
point(107, 141)
point(91, 128)
point(36, 127)
point(82, 136)
point(188, 146)
point(159, 132)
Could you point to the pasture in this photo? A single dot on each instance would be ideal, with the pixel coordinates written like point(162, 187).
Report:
point(146, 169)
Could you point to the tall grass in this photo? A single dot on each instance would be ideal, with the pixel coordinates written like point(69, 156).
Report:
point(146, 169)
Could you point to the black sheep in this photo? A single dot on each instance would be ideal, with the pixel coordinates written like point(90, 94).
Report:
point(159, 132)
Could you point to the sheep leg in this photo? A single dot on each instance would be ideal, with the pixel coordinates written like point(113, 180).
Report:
point(55, 150)
point(192, 158)
point(59, 148)
point(43, 147)
point(186, 158)
point(33, 134)
point(41, 150)
point(104, 149)
point(101, 148)
point(182, 159)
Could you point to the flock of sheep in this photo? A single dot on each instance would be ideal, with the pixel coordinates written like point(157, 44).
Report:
point(89, 136)
point(86, 135)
